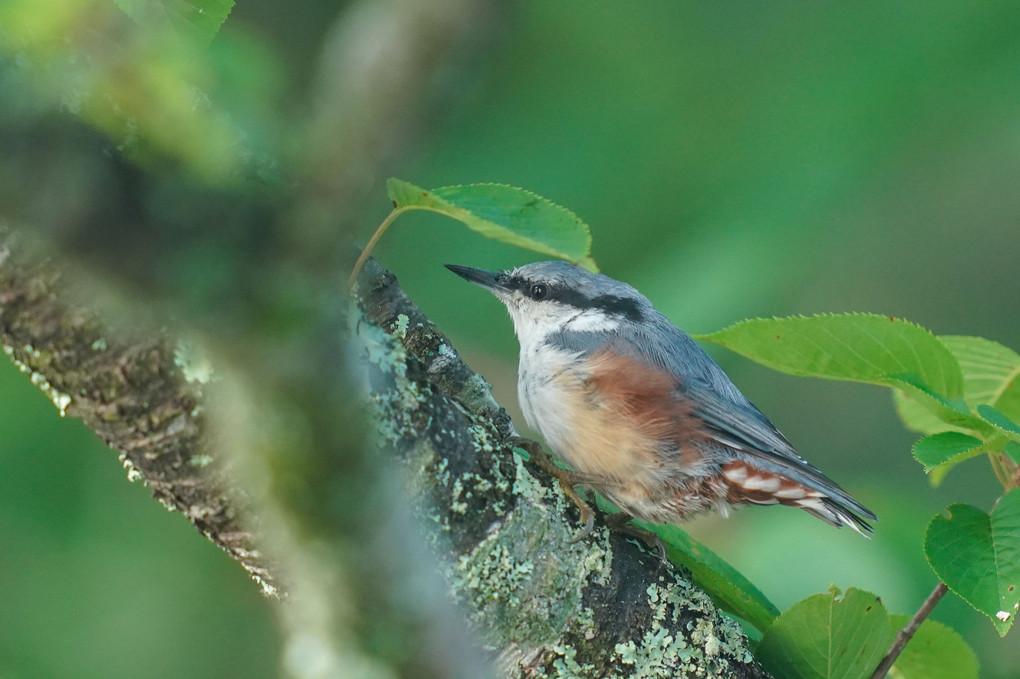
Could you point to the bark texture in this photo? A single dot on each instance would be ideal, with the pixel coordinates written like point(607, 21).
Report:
point(134, 391)
point(504, 532)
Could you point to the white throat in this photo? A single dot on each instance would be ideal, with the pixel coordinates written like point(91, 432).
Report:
point(534, 323)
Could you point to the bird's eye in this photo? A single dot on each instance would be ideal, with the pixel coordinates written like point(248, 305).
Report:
point(539, 291)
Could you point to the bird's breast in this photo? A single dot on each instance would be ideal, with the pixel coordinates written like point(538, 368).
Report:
point(606, 415)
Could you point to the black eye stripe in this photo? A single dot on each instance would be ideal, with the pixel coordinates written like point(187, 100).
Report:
point(622, 306)
point(610, 304)
point(560, 292)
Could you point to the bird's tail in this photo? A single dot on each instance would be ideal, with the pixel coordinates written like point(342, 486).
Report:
point(833, 512)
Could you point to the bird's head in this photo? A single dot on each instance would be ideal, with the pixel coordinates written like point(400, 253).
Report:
point(545, 297)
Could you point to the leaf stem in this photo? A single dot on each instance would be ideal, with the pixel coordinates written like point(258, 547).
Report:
point(998, 466)
point(905, 634)
point(396, 212)
point(1011, 471)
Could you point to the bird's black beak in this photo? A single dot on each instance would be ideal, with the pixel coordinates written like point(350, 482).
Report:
point(486, 279)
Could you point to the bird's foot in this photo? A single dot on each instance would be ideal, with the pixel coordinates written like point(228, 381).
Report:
point(567, 479)
point(620, 522)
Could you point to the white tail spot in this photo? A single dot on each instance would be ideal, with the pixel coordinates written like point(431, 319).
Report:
point(813, 503)
point(766, 484)
point(735, 474)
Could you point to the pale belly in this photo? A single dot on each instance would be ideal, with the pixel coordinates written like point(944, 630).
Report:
point(589, 436)
point(638, 471)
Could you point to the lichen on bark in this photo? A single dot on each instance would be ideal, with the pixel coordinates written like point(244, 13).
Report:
point(548, 604)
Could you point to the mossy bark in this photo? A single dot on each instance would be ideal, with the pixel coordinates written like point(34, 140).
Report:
point(550, 605)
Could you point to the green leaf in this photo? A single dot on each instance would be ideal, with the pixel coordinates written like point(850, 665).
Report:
point(199, 19)
point(727, 586)
point(991, 376)
point(917, 417)
point(1002, 424)
point(991, 372)
point(952, 414)
point(977, 555)
point(859, 347)
point(1012, 451)
point(506, 214)
point(929, 413)
point(945, 448)
point(1009, 399)
point(827, 637)
point(934, 652)
point(938, 475)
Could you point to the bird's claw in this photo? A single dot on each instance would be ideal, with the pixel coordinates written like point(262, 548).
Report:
point(589, 527)
point(567, 479)
point(621, 522)
point(653, 541)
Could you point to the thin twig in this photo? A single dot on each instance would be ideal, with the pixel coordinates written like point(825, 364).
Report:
point(998, 466)
point(380, 230)
point(371, 244)
point(905, 634)
point(1011, 471)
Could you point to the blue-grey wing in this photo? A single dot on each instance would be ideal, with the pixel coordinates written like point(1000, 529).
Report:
point(730, 418)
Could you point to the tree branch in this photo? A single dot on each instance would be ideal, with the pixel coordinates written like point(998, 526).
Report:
point(504, 532)
point(904, 636)
point(134, 393)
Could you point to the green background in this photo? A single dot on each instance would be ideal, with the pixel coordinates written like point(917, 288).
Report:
point(734, 160)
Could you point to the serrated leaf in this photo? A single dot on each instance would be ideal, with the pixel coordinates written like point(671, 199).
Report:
point(1002, 424)
point(727, 586)
point(977, 555)
point(199, 19)
point(506, 214)
point(991, 372)
point(991, 376)
point(916, 417)
point(953, 414)
point(1009, 399)
point(827, 637)
point(935, 652)
point(929, 413)
point(945, 448)
point(938, 475)
point(859, 347)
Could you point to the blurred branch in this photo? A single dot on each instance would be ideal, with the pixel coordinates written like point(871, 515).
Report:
point(243, 252)
point(377, 82)
point(357, 606)
point(139, 392)
point(132, 391)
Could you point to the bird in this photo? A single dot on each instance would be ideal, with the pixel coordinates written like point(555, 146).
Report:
point(640, 411)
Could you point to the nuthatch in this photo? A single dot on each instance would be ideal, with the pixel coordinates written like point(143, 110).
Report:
point(640, 411)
